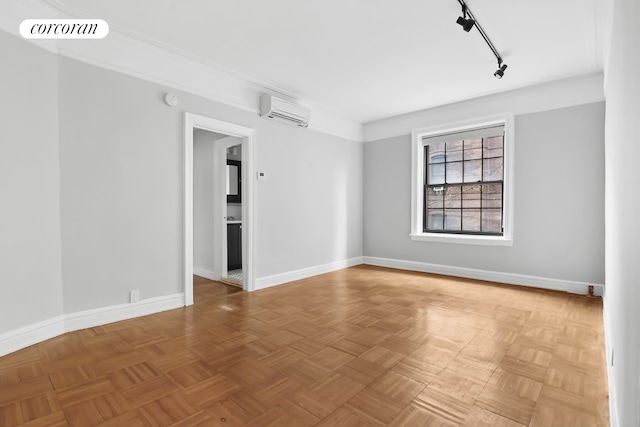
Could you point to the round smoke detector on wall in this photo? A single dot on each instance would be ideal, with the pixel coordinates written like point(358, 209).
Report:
point(171, 99)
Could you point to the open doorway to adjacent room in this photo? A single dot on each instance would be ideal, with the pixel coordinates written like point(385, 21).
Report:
point(218, 208)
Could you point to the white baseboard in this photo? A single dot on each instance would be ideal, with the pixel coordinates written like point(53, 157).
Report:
point(203, 272)
point(279, 279)
point(116, 313)
point(32, 334)
point(491, 276)
point(20, 338)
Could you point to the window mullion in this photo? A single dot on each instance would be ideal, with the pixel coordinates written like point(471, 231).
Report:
point(461, 190)
point(484, 163)
point(482, 187)
point(434, 219)
point(425, 180)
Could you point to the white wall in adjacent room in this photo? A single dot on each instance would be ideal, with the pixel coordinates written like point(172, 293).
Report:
point(203, 202)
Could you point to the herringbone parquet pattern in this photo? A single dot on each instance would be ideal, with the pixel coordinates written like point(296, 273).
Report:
point(364, 346)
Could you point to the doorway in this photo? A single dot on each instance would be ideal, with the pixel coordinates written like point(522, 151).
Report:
point(226, 136)
point(232, 274)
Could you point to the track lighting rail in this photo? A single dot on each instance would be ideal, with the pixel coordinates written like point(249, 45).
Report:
point(468, 23)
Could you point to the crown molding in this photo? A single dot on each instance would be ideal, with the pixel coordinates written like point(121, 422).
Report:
point(14, 12)
point(578, 90)
point(137, 56)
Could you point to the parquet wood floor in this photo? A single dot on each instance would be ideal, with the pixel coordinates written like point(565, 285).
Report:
point(205, 289)
point(364, 346)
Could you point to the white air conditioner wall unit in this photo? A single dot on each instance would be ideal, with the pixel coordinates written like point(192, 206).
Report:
point(284, 111)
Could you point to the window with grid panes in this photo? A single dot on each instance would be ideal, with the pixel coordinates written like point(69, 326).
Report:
point(464, 182)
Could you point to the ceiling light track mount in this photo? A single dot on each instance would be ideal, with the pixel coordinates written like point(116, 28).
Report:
point(467, 21)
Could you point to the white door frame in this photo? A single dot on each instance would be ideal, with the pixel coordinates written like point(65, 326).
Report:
point(194, 121)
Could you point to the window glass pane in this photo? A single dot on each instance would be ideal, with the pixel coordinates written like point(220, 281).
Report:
point(435, 152)
point(492, 196)
point(471, 219)
point(492, 220)
point(453, 198)
point(473, 149)
point(493, 169)
point(459, 167)
point(435, 173)
point(472, 170)
point(454, 151)
point(452, 220)
point(493, 146)
point(435, 220)
point(454, 173)
point(435, 197)
point(471, 196)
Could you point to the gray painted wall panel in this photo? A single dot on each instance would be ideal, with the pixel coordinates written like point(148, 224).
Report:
point(120, 157)
point(30, 273)
point(559, 195)
point(122, 177)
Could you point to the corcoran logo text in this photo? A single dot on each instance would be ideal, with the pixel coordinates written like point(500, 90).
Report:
point(64, 29)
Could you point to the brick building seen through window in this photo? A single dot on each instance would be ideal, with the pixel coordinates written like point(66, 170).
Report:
point(464, 184)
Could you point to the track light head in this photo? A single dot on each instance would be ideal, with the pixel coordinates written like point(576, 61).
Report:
point(467, 21)
point(500, 71)
point(467, 24)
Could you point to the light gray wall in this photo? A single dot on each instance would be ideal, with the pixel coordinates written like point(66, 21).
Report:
point(310, 205)
point(203, 203)
point(30, 274)
point(120, 159)
point(622, 292)
point(559, 195)
point(122, 177)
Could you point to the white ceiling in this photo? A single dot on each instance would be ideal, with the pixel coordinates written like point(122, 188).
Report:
point(368, 59)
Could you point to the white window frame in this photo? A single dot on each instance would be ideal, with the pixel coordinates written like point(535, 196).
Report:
point(418, 173)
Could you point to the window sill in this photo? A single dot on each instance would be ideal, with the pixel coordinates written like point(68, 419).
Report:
point(463, 239)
